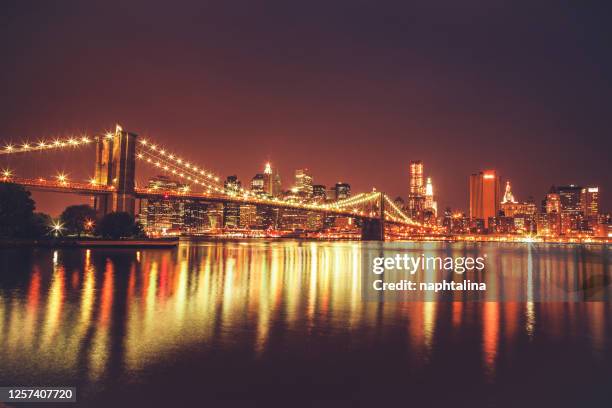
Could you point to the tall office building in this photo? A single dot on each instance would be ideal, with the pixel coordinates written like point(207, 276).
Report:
point(508, 196)
point(590, 202)
point(268, 179)
point(590, 209)
point(319, 192)
point(416, 191)
point(232, 185)
point(231, 211)
point(516, 217)
point(277, 187)
point(303, 182)
point(342, 190)
point(485, 195)
point(549, 220)
point(271, 181)
point(416, 177)
point(571, 208)
point(173, 216)
point(430, 203)
point(258, 184)
point(553, 201)
point(248, 216)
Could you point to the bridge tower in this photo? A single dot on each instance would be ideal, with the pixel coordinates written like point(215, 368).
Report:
point(373, 229)
point(116, 167)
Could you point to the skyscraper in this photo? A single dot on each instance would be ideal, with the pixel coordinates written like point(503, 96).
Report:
point(571, 208)
point(271, 181)
point(258, 184)
point(268, 178)
point(590, 208)
point(277, 187)
point(508, 196)
point(430, 203)
point(231, 211)
point(590, 202)
point(303, 182)
point(319, 192)
point(232, 185)
point(172, 216)
point(416, 191)
point(485, 195)
point(342, 190)
point(416, 177)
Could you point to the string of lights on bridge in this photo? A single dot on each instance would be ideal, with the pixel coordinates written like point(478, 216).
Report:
point(46, 145)
point(174, 165)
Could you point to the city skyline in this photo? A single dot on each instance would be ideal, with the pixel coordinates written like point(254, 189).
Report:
point(269, 181)
point(353, 99)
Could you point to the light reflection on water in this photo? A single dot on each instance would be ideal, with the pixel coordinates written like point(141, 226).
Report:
point(94, 317)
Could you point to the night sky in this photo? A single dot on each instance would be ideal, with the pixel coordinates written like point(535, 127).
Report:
point(353, 90)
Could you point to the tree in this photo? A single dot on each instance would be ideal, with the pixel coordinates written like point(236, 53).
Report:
point(16, 211)
point(39, 225)
point(117, 225)
point(78, 219)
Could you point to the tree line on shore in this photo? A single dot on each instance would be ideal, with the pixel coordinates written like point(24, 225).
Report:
point(19, 220)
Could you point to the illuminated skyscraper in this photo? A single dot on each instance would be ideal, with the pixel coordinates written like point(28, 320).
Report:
point(303, 182)
point(416, 177)
point(319, 192)
point(342, 190)
point(231, 211)
point(272, 181)
point(248, 216)
point(232, 185)
point(485, 195)
point(590, 202)
point(549, 222)
point(571, 208)
point(171, 216)
point(553, 202)
point(508, 196)
point(268, 179)
point(416, 192)
point(258, 184)
point(277, 187)
point(430, 204)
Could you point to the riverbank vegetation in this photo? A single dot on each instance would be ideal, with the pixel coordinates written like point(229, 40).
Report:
point(19, 220)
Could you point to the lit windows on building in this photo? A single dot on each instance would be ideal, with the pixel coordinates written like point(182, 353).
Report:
point(342, 191)
point(485, 195)
point(232, 185)
point(303, 183)
point(319, 192)
point(416, 191)
point(258, 184)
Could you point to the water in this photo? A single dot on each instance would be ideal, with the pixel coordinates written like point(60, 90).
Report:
point(264, 323)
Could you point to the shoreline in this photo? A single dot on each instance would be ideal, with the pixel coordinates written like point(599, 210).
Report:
point(91, 243)
point(175, 241)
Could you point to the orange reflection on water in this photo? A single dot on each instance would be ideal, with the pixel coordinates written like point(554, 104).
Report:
point(490, 336)
point(258, 296)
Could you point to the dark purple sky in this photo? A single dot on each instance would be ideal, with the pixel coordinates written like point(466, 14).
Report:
point(352, 90)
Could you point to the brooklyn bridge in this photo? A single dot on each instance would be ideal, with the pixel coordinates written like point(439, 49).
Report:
point(114, 188)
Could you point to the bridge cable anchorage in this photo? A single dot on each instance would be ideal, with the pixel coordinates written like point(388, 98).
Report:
point(47, 145)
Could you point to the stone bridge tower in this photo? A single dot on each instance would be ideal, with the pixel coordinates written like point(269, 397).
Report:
point(116, 167)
